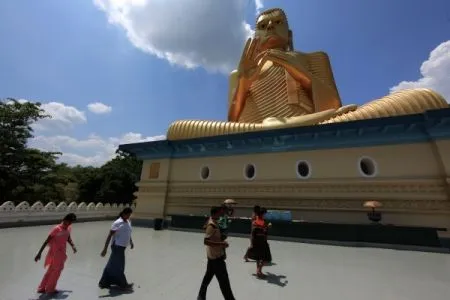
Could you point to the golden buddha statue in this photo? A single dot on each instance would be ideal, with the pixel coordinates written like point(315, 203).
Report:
point(277, 87)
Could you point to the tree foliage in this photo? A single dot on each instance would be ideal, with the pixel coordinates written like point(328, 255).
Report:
point(28, 174)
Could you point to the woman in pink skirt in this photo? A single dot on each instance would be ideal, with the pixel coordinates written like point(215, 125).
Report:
point(56, 256)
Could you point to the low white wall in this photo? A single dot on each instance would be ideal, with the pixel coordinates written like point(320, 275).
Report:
point(24, 212)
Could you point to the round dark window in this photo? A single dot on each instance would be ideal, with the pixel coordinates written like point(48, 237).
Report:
point(367, 167)
point(250, 171)
point(303, 169)
point(204, 173)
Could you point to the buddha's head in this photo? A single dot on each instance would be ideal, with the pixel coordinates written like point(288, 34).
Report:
point(273, 30)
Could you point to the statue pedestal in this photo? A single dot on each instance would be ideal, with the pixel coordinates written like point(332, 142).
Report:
point(319, 173)
point(152, 193)
point(150, 205)
point(150, 210)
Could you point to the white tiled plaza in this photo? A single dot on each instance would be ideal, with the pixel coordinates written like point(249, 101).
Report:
point(169, 265)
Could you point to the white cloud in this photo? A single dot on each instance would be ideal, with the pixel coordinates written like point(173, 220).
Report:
point(94, 150)
point(259, 4)
point(188, 33)
point(99, 108)
point(132, 137)
point(435, 72)
point(63, 117)
point(18, 100)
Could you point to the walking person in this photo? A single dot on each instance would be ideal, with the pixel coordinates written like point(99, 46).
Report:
point(56, 256)
point(256, 210)
point(226, 217)
point(215, 251)
point(260, 250)
point(120, 237)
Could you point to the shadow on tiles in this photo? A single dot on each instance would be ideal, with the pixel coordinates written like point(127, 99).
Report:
point(61, 294)
point(271, 278)
point(115, 292)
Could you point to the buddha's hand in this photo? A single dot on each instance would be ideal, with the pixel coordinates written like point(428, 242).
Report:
point(304, 120)
point(277, 56)
point(248, 68)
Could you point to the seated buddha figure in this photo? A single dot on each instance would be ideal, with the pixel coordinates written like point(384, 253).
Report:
point(276, 87)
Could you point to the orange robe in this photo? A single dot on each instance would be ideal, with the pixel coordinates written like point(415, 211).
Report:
point(55, 259)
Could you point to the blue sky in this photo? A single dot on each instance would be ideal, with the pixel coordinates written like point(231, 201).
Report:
point(73, 53)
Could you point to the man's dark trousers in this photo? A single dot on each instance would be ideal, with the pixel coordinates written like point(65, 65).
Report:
point(218, 268)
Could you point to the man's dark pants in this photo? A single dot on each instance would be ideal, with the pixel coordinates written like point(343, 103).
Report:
point(218, 268)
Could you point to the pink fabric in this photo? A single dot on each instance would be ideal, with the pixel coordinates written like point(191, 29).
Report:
point(51, 277)
point(55, 259)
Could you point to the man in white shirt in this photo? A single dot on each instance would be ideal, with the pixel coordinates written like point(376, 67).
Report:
point(122, 232)
point(119, 237)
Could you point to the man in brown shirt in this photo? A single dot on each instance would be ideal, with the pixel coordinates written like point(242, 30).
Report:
point(215, 252)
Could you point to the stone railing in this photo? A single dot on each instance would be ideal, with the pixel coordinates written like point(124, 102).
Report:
point(24, 212)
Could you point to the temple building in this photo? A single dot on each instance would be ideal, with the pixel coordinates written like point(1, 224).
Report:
point(289, 144)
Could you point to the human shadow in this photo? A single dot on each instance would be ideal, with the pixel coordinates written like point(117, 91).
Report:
point(115, 292)
point(61, 294)
point(271, 278)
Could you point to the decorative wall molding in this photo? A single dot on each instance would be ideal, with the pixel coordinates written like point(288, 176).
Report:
point(150, 191)
point(150, 188)
point(357, 181)
point(416, 206)
point(420, 128)
point(419, 195)
point(23, 212)
point(414, 189)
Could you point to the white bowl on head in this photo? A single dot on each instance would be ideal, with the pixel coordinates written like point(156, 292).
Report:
point(229, 201)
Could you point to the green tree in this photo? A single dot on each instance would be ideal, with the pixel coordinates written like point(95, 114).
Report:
point(28, 174)
point(88, 181)
point(119, 179)
point(23, 171)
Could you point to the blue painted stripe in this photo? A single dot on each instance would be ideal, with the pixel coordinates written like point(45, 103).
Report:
point(432, 125)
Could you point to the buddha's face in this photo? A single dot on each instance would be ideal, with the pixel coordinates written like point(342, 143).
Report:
point(273, 30)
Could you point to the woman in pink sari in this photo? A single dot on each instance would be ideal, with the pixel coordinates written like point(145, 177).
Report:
point(56, 256)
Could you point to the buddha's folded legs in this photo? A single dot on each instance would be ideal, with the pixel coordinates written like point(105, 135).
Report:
point(191, 129)
point(404, 102)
